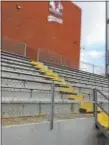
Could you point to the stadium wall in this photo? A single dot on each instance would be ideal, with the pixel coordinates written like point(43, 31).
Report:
point(28, 23)
point(80, 131)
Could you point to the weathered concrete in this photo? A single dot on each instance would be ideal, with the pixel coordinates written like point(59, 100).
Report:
point(31, 109)
point(67, 132)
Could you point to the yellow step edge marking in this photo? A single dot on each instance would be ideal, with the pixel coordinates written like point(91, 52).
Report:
point(69, 90)
point(76, 97)
point(54, 76)
point(103, 119)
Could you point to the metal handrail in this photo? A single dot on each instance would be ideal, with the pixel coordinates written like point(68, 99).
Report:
point(72, 69)
point(102, 108)
point(99, 105)
point(102, 94)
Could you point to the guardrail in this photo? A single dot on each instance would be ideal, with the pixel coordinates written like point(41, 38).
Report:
point(47, 56)
point(92, 68)
point(13, 46)
point(102, 122)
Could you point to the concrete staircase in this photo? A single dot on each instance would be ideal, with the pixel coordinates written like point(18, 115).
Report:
point(83, 82)
point(27, 89)
point(27, 92)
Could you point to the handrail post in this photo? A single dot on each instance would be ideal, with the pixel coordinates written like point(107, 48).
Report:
point(93, 68)
point(38, 54)
point(52, 106)
point(95, 103)
point(25, 50)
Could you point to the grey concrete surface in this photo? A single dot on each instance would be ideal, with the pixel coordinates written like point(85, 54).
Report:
point(66, 132)
point(32, 109)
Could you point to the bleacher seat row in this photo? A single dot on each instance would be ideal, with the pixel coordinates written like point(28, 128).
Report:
point(22, 78)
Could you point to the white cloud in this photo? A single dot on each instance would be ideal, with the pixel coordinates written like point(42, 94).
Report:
point(93, 22)
point(97, 35)
point(92, 32)
point(96, 54)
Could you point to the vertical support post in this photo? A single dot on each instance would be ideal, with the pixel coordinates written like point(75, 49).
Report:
point(106, 38)
point(61, 57)
point(95, 103)
point(52, 106)
point(25, 49)
point(31, 90)
point(108, 113)
point(93, 68)
point(39, 108)
point(38, 53)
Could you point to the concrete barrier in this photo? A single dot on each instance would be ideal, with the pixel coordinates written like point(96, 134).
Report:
point(68, 132)
point(32, 109)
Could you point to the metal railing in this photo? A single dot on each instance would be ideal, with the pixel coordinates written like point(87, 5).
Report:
point(101, 102)
point(92, 68)
point(47, 56)
point(13, 46)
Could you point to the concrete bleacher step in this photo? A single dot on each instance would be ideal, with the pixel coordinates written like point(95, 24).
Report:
point(15, 62)
point(15, 59)
point(94, 82)
point(34, 107)
point(79, 73)
point(82, 78)
point(20, 66)
point(27, 77)
point(29, 93)
point(88, 86)
point(10, 54)
point(24, 87)
point(19, 75)
point(25, 83)
point(71, 77)
point(20, 70)
point(85, 85)
point(67, 69)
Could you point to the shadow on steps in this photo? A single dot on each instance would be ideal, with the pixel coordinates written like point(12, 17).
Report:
point(101, 139)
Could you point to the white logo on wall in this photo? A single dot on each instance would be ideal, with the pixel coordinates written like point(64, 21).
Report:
point(56, 11)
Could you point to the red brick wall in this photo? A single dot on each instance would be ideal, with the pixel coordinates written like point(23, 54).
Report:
point(30, 25)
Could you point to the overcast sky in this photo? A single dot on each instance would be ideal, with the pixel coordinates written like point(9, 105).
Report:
point(93, 32)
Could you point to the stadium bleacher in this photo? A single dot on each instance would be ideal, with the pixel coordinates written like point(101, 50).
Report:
point(25, 87)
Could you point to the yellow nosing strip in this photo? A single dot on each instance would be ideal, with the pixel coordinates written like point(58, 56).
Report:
point(102, 117)
point(54, 76)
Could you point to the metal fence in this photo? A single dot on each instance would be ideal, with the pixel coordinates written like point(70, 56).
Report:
point(13, 46)
point(101, 108)
point(54, 58)
point(92, 68)
point(47, 56)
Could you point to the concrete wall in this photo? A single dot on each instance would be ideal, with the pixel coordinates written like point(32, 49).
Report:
point(31, 109)
point(68, 132)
